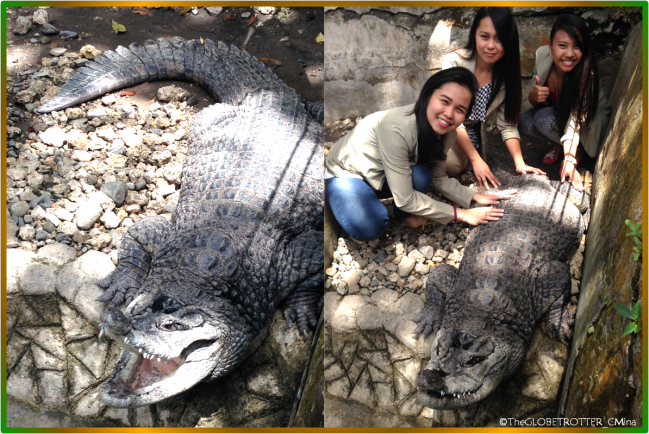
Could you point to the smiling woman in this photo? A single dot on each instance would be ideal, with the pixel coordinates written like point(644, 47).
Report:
point(569, 108)
point(386, 155)
point(492, 54)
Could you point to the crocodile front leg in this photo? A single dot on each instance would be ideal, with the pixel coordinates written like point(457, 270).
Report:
point(551, 296)
point(439, 282)
point(302, 280)
point(136, 252)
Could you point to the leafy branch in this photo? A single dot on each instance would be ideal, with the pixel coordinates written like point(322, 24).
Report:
point(636, 232)
point(634, 314)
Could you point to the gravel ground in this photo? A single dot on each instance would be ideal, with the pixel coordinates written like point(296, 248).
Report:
point(82, 176)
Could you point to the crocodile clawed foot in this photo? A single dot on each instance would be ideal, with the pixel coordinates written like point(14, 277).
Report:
point(426, 323)
point(117, 291)
point(562, 329)
point(303, 316)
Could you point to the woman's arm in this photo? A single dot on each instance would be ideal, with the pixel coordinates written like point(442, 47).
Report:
point(514, 147)
point(480, 168)
point(569, 163)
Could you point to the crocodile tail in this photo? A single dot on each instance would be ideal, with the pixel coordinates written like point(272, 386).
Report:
point(230, 74)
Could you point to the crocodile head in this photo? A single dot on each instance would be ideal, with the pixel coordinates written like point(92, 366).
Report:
point(474, 350)
point(170, 345)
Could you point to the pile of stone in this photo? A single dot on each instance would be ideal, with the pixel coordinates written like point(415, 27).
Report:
point(82, 176)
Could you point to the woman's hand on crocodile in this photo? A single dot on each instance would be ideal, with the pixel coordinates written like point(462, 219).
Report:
point(493, 199)
point(479, 216)
point(483, 174)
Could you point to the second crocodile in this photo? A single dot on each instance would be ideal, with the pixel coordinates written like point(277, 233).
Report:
point(513, 273)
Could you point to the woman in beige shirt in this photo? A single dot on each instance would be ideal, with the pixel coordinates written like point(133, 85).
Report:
point(492, 54)
point(569, 107)
point(386, 155)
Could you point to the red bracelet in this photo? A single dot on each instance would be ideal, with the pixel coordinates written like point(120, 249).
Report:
point(454, 213)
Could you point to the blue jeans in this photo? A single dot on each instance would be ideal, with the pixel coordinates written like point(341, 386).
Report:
point(358, 209)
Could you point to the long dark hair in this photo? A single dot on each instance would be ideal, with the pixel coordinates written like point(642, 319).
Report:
point(507, 71)
point(580, 87)
point(429, 144)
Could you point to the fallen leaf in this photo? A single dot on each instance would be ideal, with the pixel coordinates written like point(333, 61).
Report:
point(142, 11)
point(201, 38)
point(320, 39)
point(284, 39)
point(270, 61)
point(230, 17)
point(127, 93)
point(117, 27)
point(252, 19)
point(185, 9)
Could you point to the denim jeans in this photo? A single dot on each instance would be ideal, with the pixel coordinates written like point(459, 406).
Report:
point(358, 209)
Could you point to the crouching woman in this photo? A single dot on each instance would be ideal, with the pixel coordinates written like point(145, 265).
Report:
point(387, 154)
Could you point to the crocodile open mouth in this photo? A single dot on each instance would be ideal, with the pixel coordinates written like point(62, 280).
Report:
point(443, 400)
point(441, 395)
point(140, 378)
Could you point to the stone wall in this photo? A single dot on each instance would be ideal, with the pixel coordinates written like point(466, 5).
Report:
point(604, 376)
point(378, 58)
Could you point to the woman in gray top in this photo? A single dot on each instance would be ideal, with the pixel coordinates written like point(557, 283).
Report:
point(386, 155)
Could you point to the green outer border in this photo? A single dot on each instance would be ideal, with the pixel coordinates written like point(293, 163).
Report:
point(3, 237)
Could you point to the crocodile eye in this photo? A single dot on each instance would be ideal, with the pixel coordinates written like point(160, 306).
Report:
point(474, 360)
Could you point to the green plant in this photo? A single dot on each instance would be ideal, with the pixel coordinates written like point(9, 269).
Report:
point(636, 232)
point(634, 314)
point(284, 13)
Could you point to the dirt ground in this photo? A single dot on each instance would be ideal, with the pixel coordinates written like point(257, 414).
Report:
point(287, 38)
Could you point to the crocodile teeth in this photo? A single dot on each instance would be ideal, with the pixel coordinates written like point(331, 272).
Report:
point(158, 359)
point(442, 393)
point(139, 350)
point(101, 333)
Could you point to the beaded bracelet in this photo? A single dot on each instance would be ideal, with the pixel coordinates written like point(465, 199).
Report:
point(454, 213)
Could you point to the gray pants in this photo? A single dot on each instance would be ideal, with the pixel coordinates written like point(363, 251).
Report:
point(539, 123)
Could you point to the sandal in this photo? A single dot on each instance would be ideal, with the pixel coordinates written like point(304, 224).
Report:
point(551, 157)
point(423, 228)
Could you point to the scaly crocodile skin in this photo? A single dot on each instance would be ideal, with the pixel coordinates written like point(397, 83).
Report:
point(247, 233)
point(513, 272)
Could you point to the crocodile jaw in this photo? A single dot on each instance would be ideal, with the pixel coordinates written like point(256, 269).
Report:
point(440, 400)
point(450, 381)
point(138, 380)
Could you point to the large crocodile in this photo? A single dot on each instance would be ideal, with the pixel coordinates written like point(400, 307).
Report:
point(513, 272)
point(200, 290)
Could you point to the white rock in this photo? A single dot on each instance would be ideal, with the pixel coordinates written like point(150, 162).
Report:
point(37, 279)
point(17, 260)
point(63, 214)
point(53, 136)
point(87, 214)
point(343, 320)
point(83, 156)
point(110, 220)
point(27, 233)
